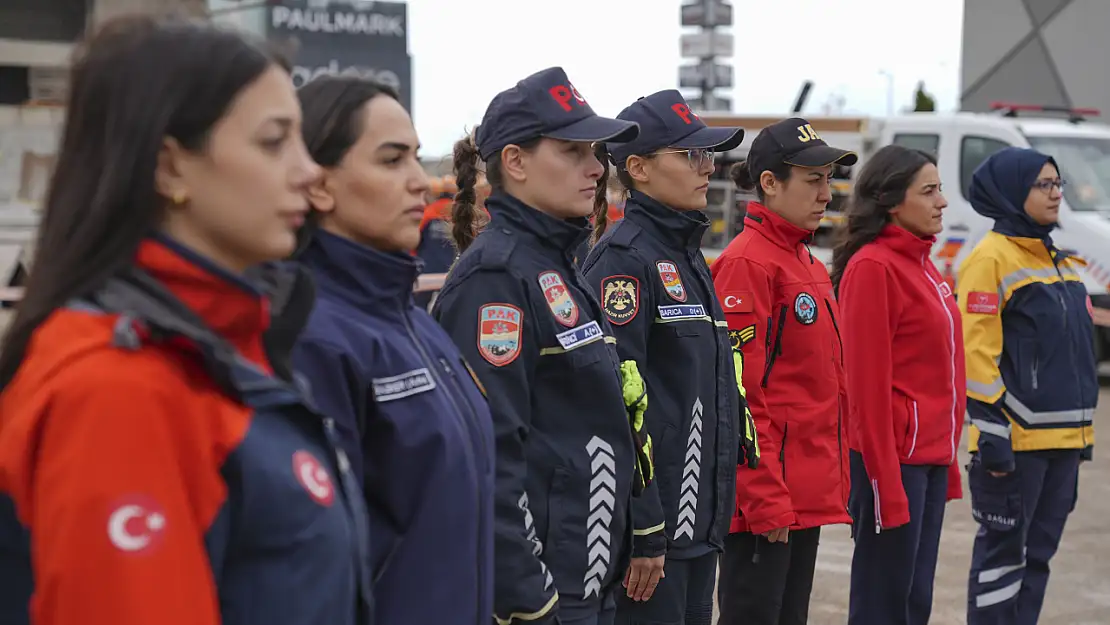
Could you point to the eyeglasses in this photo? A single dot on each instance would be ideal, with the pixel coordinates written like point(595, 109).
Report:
point(696, 156)
point(1046, 185)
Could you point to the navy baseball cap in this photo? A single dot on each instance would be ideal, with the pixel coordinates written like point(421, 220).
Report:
point(666, 120)
point(545, 104)
point(793, 142)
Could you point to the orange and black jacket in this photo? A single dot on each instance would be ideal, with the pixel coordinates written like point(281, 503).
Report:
point(155, 469)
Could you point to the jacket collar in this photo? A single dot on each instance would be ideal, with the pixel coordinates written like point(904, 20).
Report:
point(683, 229)
point(230, 306)
point(550, 233)
point(775, 227)
point(360, 274)
point(906, 243)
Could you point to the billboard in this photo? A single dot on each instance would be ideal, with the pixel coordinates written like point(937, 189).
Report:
point(345, 37)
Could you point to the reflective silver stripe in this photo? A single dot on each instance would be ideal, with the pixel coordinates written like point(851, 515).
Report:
point(1054, 417)
point(721, 324)
point(994, 429)
point(986, 390)
point(995, 574)
point(987, 599)
point(1009, 280)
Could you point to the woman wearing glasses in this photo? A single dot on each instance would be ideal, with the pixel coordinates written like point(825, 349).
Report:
point(655, 288)
point(1032, 384)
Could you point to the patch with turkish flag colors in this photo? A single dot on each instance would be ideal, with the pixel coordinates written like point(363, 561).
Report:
point(737, 301)
point(981, 303)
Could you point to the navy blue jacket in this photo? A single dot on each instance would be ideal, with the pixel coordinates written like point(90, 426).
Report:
point(415, 424)
point(519, 309)
point(1032, 378)
point(655, 288)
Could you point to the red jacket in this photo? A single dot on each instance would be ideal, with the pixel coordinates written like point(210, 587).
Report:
point(780, 309)
point(904, 354)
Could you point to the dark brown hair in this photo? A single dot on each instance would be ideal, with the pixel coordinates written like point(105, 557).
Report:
point(135, 82)
point(881, 186)
point(747, 180)
point(601, 200)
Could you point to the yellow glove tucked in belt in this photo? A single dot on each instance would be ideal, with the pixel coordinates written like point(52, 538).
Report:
point(636, 401)
point(749, 439)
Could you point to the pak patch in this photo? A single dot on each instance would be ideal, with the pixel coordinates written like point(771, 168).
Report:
point(499, 333)
point(403, 385)
point(620, 298)
point(558, 298)
point(672, 282)
point(741, 337)
point(805, 309)
point(981, 303)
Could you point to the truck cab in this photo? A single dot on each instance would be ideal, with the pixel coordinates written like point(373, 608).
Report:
point(962, 141)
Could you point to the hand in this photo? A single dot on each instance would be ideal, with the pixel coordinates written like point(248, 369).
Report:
point(643, 576)
point(998, 473)
point(780, 535)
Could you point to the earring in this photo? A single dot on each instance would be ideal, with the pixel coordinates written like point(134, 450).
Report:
point(178, 198)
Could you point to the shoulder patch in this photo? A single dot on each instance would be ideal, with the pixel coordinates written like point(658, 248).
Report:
point(737, 302)
point(672, 282)
point(741, 337)
point(981, 303)
point(499, 328)
point(620, 298)
point(558, 298)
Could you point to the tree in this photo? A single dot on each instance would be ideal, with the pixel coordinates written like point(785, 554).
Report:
point(922, 100)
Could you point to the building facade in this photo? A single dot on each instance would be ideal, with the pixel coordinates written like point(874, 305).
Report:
point(1035, 52)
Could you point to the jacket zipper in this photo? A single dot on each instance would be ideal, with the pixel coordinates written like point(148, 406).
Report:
point(878, 507)
point(782, 451)
point(776, 350)
point(952, 351)
point(432, 366)
point(1036, 365)
point(913, 444)
point(1071, 350)
point(839, 416)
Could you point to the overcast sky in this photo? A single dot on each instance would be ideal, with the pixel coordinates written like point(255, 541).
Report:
point(614, 51)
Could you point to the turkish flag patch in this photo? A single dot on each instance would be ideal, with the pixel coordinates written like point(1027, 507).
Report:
point(981, 303)
point(737, 301)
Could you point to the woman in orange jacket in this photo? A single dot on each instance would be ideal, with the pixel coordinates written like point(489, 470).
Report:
point(158, 464)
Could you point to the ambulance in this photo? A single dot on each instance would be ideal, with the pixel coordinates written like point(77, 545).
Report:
point(961, 141)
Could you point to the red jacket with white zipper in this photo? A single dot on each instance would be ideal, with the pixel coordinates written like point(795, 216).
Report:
point(904, 357)
point(782, 314)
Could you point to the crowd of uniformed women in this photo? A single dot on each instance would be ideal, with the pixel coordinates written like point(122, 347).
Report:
point(220, 403)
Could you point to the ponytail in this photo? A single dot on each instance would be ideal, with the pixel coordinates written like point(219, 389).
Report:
point(601, 199)
point(742, 176)
point(464, 210)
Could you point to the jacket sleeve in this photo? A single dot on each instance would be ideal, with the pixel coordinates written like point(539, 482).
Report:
point(524, 589)
point(981, 306)
point(746, 291)
point(869, 318)
point(122, 495)
point(612, 277)
point(338, 391)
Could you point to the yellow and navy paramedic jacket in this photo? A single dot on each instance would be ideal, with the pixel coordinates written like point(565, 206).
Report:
point(1032, 380)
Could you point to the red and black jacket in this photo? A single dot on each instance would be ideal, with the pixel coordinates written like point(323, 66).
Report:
point(780, 308)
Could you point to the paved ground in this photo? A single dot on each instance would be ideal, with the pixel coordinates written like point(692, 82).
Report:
point(1079, 591)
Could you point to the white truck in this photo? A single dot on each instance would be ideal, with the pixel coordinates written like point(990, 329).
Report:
point(961, 141)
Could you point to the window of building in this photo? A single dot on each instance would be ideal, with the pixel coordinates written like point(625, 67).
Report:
point(930, 144)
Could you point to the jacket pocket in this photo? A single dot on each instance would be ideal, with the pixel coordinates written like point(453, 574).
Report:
point(912, 424)
point(1028, 364)
point(564, 549)
point(995, 501)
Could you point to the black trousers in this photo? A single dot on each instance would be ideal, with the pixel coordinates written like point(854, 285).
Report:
point(764, 583)
point(683, 597)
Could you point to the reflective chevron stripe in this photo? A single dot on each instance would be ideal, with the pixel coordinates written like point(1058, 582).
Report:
point(603, 497)
point(691, 473)
point(530, 533)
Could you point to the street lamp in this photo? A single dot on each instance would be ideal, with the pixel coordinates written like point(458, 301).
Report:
point(889, 91)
